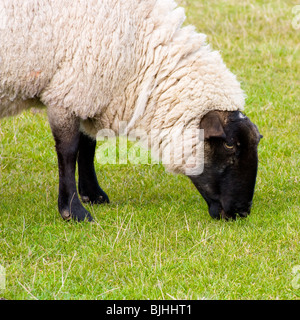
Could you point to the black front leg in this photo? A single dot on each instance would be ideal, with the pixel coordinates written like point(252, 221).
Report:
point(66, 134)
point(88, 186)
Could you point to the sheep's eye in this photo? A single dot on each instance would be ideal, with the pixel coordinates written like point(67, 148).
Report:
point(228, 146)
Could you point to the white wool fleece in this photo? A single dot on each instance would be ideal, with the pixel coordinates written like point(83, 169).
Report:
point(107, 61)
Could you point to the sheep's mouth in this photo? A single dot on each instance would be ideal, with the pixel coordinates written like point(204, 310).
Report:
point(217, 212)
point(227, 216)
point(232, 216)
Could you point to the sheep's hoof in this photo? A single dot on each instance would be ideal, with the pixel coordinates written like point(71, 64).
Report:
point(100, 199)
point(77, 215)
point(66, 215)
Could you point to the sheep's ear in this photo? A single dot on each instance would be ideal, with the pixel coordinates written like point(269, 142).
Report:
point(212, 125)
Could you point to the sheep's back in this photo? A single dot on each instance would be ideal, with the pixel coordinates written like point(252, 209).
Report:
point(79, 54)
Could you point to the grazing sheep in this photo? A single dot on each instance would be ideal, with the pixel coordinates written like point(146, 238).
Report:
point(95, 63)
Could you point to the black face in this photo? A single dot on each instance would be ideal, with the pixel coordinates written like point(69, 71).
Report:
point(228, 180)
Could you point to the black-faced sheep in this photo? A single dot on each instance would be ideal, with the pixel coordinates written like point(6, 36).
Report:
point(95, 63)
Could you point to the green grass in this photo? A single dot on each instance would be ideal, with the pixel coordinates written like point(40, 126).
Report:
point(156, 239)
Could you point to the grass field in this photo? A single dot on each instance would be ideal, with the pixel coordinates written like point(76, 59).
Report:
point(156, 239)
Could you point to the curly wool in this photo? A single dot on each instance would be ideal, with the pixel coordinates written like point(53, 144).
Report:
point(108, 61)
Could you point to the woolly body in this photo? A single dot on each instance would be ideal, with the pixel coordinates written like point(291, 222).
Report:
point(106, 61)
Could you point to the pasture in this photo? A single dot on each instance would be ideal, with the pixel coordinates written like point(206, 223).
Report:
point(156, 240)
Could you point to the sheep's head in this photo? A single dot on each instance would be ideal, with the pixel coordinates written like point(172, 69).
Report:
point(230, 163)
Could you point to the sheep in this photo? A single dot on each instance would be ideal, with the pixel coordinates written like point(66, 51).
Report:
point(96, 63)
